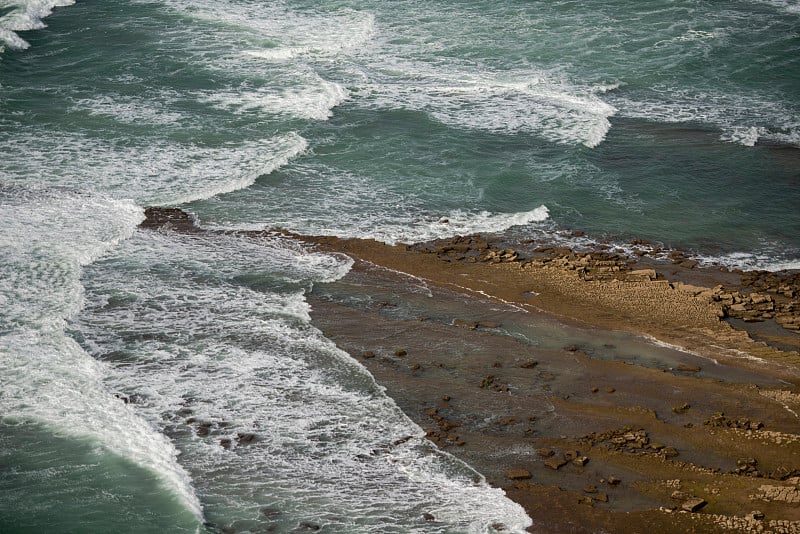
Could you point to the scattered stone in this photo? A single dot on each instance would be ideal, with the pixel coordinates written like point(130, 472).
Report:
point(679, 495)
point(610, 390)
point(488, 324)
point(590, 489)
point(428, 516)
point(308, 526)
point(506, 421)
point(415, 367)
point(721, 420)
point(518, 474)
point(747, 467)
point(694, 504)
point(367, 354)
point(545, 453)
point(689, 368)
point(595, 390)
point(613, 481)
point(225, 443)
point(602, 497)
point(400, 353)
point(580, 461)
point(529, 364)
point(757, 515)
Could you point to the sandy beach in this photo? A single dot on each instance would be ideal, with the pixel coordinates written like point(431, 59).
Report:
point(604, 392)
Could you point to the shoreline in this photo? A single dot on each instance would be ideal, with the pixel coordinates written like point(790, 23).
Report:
point(591, 436)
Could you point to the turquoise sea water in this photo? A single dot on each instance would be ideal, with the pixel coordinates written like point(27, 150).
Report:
point(676, 122)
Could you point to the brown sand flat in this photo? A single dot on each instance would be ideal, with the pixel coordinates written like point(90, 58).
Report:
point(532, 371)
point(583, 443)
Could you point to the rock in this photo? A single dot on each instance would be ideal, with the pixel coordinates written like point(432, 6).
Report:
point(245, 438)
point(428, 517)
point(610, 390)
point(555, 463)
point(400, 353)
point(545, 453)
point(571, 455)
point(488, 324)
point(613, 481)
point(683, 408)
point(602, 497)
point(689, 368)
point(367, 354)
point(669, 452)
point(694, 504)
point(518, 474)
point(308, 526)
point(225, 443)
point(757, 515)
point(529, 364)
point(270, 512)
point(580, 461)
point(464, 324)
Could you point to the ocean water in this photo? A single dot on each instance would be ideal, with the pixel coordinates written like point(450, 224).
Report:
point(156, 382)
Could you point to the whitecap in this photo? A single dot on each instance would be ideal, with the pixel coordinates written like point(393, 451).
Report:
point(539, 103)
point(26, 15)
point(160, 172)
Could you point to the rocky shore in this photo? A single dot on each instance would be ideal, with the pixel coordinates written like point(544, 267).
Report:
point(535, 364)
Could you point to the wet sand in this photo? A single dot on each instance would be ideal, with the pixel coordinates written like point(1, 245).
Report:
point(541, 369)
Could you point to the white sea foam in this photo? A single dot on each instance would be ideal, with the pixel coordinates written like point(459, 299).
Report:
point(464, 223)
point(283, 33)
point(160, 172)
point(305, 95)
point(541, 103)
point(47, 236)
point(752, 261)
point(132, 110)
point(188, 333)
point(742, 119)
point(25, 15)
